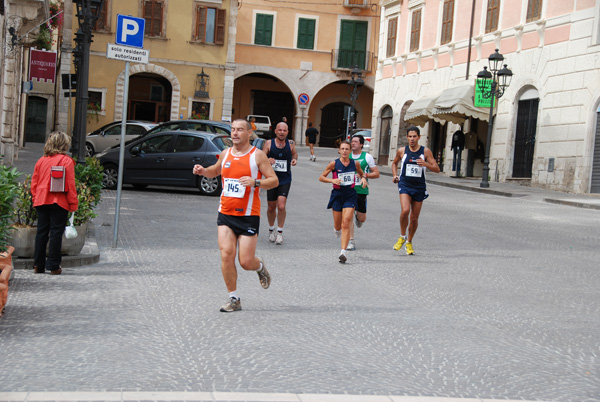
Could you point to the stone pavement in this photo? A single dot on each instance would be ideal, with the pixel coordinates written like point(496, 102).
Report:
point(500, 302)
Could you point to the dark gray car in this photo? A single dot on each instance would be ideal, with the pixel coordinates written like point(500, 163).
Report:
point(166, 159)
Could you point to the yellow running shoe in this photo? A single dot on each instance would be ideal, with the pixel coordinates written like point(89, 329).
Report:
point(399, 243)
point(409, 248)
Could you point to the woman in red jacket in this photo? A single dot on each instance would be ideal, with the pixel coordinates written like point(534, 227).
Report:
point(52, 206)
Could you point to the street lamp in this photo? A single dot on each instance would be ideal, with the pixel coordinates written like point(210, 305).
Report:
point(354, 86)
point(500, 80)
point(88, 12)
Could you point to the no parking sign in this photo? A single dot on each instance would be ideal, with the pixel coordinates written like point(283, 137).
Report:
point(303, 99)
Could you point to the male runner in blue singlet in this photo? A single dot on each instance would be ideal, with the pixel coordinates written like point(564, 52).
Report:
point(282, 155)
point(414, 159)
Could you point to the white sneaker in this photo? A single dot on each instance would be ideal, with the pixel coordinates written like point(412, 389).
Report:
point(342, 258)
point(272, 236)
point(351, 246)
point(337, 233)
point(279, 238)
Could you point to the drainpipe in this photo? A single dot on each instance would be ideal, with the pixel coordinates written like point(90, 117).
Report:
point(470, 39)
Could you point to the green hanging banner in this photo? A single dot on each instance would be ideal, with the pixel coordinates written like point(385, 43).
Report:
point(481, 86)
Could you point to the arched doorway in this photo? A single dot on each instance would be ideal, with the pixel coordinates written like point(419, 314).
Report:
point(35, 125)
point(525, 133)
point(264, 95)
point(149, 98)
point(333, 124)
point(385, 132)
point(403, 126)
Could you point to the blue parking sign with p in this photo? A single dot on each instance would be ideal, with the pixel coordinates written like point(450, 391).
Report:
point(130, 31)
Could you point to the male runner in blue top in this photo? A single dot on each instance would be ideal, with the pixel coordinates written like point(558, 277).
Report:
point(282, 155)
point(411, 184)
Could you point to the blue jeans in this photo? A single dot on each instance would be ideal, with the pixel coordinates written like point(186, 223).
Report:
point(456, 160)
point(52, 220)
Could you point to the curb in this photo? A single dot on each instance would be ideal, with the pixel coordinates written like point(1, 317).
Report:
point(89, 254)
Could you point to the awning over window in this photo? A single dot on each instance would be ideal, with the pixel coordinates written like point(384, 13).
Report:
point(419, 113)
point(456, 105)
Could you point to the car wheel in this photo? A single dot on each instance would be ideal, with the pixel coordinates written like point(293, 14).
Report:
point(110, 177)
point(209, 186)
point(89, 149)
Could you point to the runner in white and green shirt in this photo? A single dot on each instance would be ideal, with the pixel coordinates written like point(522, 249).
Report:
point(367, 164)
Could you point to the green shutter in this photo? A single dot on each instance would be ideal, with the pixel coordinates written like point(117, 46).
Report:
point(353, 44)
point(264, 29)
point(306, 33)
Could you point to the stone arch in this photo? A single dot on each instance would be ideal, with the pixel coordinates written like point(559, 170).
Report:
point(154, 69)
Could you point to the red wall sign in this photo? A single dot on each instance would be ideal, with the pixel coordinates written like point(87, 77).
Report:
point(42, 65)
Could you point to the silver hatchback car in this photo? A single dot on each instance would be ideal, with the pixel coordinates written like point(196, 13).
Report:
point(110, 135)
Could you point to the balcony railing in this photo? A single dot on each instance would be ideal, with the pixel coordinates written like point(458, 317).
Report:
point(356, 3)
point(343, 59)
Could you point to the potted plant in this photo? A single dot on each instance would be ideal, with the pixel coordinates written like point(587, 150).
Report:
point(88, 181)
point(8, 192)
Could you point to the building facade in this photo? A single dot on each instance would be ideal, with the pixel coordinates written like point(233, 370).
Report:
point(190, 70)
point(545, 130)
point(19, 25)
point(294, 59)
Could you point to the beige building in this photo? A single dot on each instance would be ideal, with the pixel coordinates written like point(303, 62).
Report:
point(546, 125)
point(26, 114)
point(190, 70)
point(293, 60)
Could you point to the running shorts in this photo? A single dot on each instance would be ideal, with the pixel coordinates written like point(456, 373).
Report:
point(241, 225)
point(338, 200)
point(416, 194)
point(361, 203)
point(282, 190)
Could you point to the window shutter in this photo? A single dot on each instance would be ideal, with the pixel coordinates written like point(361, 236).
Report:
point(415, 30)
point(221, 24)
point(264, 29)
point(306, 33)
point(153, 14)
point(102, 21)
point(391, 37)
point(493, 12)
point(447, 21)
point(534, 8)
point(200, 23)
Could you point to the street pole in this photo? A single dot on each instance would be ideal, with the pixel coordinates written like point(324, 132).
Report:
point(121, 156)
point(486, 162)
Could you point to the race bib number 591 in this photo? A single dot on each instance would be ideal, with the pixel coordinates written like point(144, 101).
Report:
point(414, 170)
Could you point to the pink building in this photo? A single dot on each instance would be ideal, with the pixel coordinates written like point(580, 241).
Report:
point(547, 127)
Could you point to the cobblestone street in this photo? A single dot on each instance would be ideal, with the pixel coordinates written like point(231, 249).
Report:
point(501, 301)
